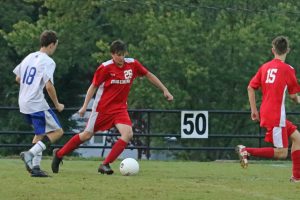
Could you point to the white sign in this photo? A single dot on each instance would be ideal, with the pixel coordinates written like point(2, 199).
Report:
point(194, 124)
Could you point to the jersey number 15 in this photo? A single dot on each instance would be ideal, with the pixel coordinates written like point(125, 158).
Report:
point(271, 75)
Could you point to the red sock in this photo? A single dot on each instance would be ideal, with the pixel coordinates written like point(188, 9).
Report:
point(116, 150)
point(72, 144)
point(296, 163)
point(266, 152)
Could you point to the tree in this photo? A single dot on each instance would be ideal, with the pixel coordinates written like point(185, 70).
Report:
point(204, 51)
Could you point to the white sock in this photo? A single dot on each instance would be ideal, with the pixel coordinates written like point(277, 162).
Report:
point(36, 161)
point(37, 148)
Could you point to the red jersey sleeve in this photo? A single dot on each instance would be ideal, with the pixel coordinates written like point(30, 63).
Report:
point(100, 75)
point(292, 83)
point(256, 80)
point(140, 69)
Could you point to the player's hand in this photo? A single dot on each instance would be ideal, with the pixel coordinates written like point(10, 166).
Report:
point(298, 99)
point(60, 107)
point(168, 96)
point(81, 111)
point(255, 115)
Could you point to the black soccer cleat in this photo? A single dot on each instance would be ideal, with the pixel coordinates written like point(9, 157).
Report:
point(27, 156)
point(55, 161)
point(37, 172)
point(105, 169)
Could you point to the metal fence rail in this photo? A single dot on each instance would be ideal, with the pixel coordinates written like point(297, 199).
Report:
point(147, 135)
point(136, 135)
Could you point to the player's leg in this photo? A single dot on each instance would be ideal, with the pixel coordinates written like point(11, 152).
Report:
point(42, 142)
point(295, 155)
point(36, 161)
point(277, 136)
point(75, 141)
point(36, 170)
point(118, 148)
point(69, 147)
point(43, 122)
point(124, 126)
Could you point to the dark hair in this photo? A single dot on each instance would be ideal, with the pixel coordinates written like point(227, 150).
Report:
point(48, 37)
point(280, 45)
point(118, 46)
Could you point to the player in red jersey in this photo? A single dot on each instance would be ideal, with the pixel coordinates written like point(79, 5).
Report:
point(112, 81)
point(274, 78)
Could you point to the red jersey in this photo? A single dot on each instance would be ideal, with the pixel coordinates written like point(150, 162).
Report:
point(274, 78)
point(114, 84)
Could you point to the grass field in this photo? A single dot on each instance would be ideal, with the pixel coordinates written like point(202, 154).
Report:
point(157, 180)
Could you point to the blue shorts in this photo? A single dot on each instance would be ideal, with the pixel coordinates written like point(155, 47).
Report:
point(43, 121)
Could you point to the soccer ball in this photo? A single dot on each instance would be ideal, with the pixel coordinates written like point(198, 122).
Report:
point(129, 167)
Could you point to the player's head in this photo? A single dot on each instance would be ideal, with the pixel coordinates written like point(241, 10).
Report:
point(48, 39)
point(280, 45)
point(118, 50)
point(118, 47)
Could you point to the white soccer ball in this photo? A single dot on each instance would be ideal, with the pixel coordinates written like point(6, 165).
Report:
point(129, 167)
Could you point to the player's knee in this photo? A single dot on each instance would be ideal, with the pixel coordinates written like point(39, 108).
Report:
point(295, 137)
point(130, 134)
point(281, 153)
point(127, 136)
point(85, 136)
point(282, 156)
point(55, 135)
point(60, 132)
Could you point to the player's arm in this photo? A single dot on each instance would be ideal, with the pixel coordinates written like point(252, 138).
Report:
point(52, 94)
point(89, 95)
point(293, 86)
point(18, 79)
point(295, 98)
point(252, 101)
point(155, 81)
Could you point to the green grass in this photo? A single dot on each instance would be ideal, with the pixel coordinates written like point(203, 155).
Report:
point(78, 179)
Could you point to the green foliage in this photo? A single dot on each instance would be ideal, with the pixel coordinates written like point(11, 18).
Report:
point(201, 51)
point(205, 52)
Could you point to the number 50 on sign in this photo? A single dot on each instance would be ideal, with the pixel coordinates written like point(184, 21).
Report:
point(194, 124)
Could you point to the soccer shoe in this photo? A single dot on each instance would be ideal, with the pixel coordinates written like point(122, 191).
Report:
point(37, 172)
point(55, 161)
point(27, 156)
point(105, 169)
point(243, 155)
point(294, 180)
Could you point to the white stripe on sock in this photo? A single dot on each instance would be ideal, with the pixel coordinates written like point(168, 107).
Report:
point(37, 148)
point(36, 161)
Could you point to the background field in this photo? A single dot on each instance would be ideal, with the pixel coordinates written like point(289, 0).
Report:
point(78, 179)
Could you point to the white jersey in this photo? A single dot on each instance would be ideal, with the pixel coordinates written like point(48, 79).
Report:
point(34, 72)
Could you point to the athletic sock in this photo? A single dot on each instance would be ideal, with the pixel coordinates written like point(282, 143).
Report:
point(296, 163)
point(37, 148)
point(40, 146)
point(116, 150)
point(36, 160)
point(266, 152)
point(72, 144)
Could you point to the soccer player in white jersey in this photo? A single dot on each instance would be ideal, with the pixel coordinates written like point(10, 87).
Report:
point(112, 82)
point(34, 74)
